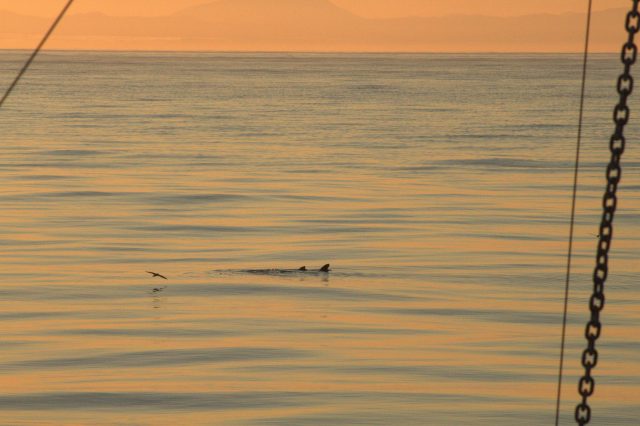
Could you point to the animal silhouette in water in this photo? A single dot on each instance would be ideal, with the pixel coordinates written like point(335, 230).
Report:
point(275, 271)
point(325, 268)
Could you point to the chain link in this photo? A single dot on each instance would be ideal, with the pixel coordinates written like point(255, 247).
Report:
point(587, 384)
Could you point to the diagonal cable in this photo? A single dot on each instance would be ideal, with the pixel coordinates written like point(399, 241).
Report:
point(25, 67)
point(573, 210)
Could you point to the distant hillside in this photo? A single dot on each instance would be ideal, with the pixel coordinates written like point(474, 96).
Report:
point(314, 25)
point(287, 12)
point(13, 23)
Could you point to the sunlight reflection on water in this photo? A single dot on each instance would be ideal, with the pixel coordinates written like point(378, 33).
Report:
point(441, 201)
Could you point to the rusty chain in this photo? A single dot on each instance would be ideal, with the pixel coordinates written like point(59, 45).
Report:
point(586, 385)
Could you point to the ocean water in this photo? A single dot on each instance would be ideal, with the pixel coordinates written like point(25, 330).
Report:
point(437, 187)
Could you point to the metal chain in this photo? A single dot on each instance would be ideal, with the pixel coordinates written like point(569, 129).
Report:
point(621, 112)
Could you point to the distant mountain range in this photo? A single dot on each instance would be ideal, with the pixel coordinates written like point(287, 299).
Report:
point(314, 25)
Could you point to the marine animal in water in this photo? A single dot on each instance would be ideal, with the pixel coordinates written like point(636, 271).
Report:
point(275, 271)
point(155, 274)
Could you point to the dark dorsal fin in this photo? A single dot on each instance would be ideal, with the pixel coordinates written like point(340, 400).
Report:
point(325, 268)
point(302, 268)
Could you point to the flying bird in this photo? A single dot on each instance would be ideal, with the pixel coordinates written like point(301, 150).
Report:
point(155, 274)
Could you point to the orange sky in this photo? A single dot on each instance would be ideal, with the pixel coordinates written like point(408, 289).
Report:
point(365, 8)
point(313, 25)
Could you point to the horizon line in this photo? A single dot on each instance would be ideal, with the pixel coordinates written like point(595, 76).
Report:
point(352, 52)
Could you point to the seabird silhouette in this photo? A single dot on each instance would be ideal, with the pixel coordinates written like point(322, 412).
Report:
point(158, 289)
point(155, 274)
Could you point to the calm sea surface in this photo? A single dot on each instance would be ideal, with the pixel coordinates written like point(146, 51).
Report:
point(437, 186)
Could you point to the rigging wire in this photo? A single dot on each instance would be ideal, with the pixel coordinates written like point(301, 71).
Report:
point(25, 67)
point(573, 209)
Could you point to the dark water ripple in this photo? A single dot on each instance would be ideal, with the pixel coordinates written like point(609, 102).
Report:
point(159, 358)
point(498, 316)
point(316, 293)
point(174, 332)
point(208, 401)
point(154, 401)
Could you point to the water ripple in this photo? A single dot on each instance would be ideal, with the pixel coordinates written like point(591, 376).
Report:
point(159, 358)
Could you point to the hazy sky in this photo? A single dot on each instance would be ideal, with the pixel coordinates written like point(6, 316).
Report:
point(315, 25)
point(366, 8)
